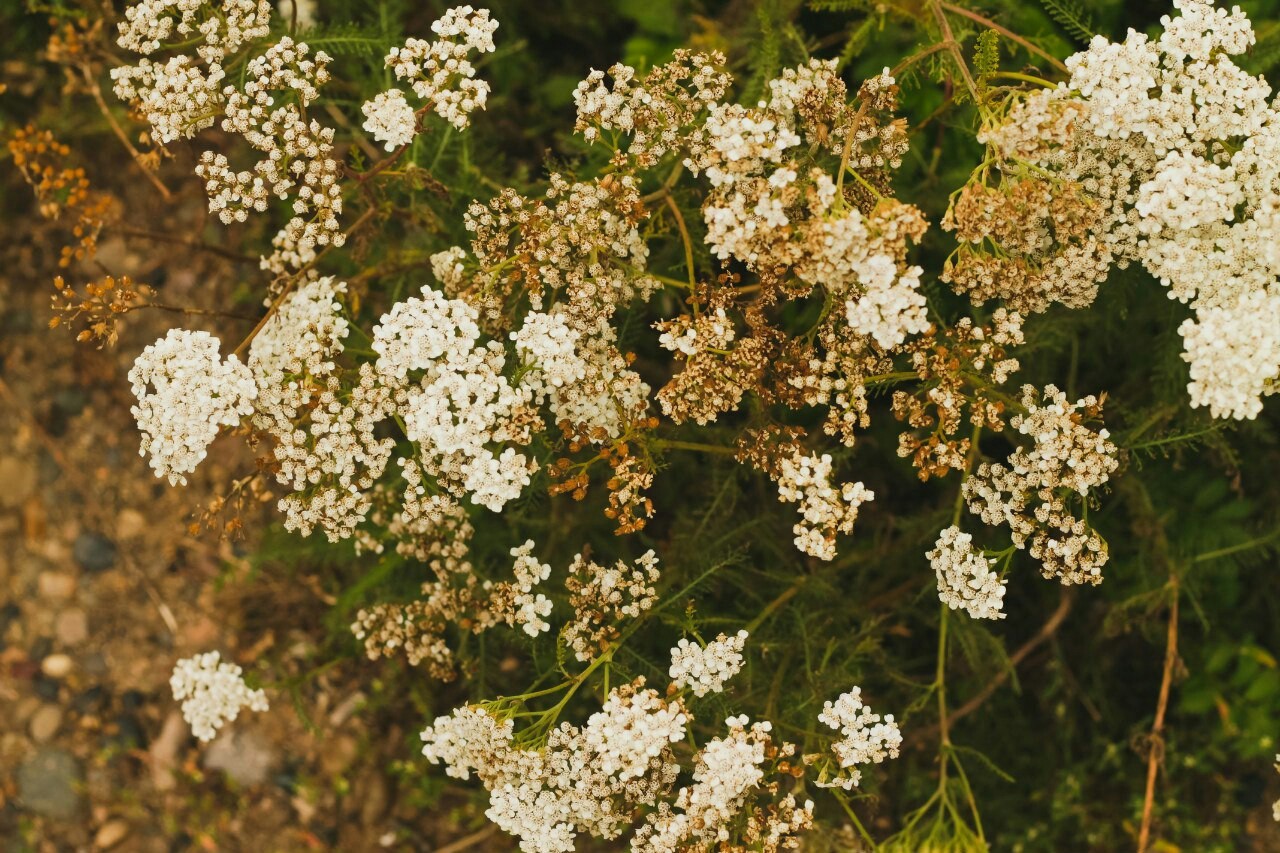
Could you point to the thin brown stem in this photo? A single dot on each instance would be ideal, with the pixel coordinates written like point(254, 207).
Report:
point(1155, 747)
point(1004, 31)
point(1148, 528)
point(96, 92)
point(187, 311)
point(949, 41)
point(1047, 630)
point(684, 236)
point(293, 282)
point(189, 242)
point(673, 444)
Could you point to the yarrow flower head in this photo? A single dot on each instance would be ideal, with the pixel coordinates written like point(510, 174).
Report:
point(866, 738)
point(440, 72)
point(530, 609)
point(212, 693)
point(965, 579)
point(186, 392)
point(706, 669)
point(825, 509)
point(390, 119)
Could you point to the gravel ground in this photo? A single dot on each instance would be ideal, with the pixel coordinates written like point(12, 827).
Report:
point(103, 585)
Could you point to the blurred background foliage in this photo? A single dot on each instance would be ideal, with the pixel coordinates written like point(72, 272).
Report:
point(1061, 694)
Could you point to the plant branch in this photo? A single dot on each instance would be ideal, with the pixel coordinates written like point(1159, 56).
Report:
point(189, 242)
point(96, 92)
point(1155, 746)
point(1047, 630)
point(1004, 31)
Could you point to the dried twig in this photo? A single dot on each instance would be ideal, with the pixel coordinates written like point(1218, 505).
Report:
point(1047, 630)
point(96, 92)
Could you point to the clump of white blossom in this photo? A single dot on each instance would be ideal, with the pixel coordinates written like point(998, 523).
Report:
point(462, 403)
point(726, 772)
point(212, 693)
point(1174, 144)
point(390, 119)
point(587, 778)
point(965, 578)
point(530, 609)
point(440, 71)
point(825, 509)
point(186, 392)
point(865, 737)
point(1032, 491)
point(706, 669)
point(602, 597)
point(1275, 807)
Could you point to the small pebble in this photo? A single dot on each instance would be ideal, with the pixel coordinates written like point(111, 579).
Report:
point(56, 585)
point(45, 722)
point(94, 552)
point(57, 666)
point(111, 834)
point(71, 627)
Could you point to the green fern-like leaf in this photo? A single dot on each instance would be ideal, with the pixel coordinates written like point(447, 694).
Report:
point(857, 41)
point(1072, 18)
point(765, 58)
point(986, 55)
point(843, 5)
point(346, 40)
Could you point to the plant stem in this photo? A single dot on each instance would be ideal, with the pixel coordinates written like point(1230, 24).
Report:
point(688, 243)
point(949, 41)
point(1155, 750)
point(1007, 33)
point(1025, 78)
point(673, 444)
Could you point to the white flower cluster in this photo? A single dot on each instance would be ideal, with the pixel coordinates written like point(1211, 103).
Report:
point(186, 393)
point(726, 771)
point(706, 669)
point(1065, 453)
point(212, 693)
point(462, 404)
point(865, 737)
point(178, 98)
point(602, 597)
point(437, 533)
point(965, 579)
point(1275, 807)
point(655, 110)
point(689, 335)
point(585, 779)
point(1029, 492)
point(440, 72)
point(390, 119)
point(768, 212)
point(583, 245)
point(1176, 145)
point(304, 335)
point(325, 445)
point(891, 308)
point(825, 510)
point(530, 609)
point(1234, 352)
point(296, 162)
point(182, 96)
point(147, 25)
point(547, 345)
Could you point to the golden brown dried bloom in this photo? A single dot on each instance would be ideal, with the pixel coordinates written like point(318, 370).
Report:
point(63, 193)
point(99, 307)
point(765, 448)
point(958, 368)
